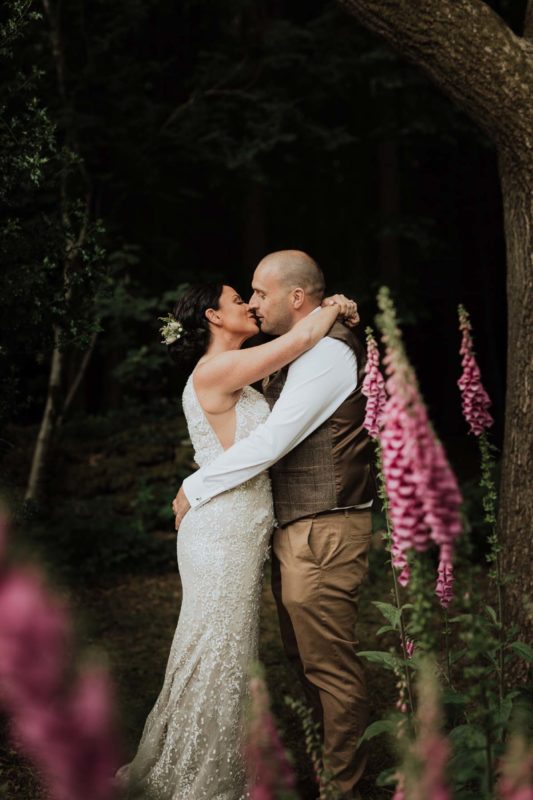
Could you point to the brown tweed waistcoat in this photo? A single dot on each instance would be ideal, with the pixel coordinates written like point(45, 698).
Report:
point(332, 466)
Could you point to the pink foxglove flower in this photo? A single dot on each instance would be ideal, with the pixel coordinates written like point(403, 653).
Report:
point(444, 589)
point(270, 775)
point(442, 503)
point(373, 388)
point(405, 508)
point(422, 489)
point(34, 635)
point(68, 733)
point(474, 399)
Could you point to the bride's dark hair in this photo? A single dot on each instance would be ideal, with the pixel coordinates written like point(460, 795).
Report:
point(190, 311)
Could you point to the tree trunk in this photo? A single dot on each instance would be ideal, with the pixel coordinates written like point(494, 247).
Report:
point(516, 506)
point(48, 422)
point(474, 57)
point(55, 411)
point(78, 377)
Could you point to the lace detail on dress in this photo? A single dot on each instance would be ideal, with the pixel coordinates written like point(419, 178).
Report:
point(191, 745)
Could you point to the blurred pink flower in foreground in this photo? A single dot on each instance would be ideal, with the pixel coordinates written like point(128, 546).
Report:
point(431, 748)
point(474, 399)
point(422, 775)
point(516, 781)
point(34, 634)
point(67, 729)
point(373, 388)
point(399, 793)
point(270, 775)
point(421, 486)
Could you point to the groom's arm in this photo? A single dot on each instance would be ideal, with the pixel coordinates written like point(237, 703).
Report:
point(317, 383)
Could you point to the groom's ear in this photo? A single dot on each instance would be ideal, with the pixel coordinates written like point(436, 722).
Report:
point(298, 298)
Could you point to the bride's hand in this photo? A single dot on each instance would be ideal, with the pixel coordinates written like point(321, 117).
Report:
point(180, 506)
point(347, 308)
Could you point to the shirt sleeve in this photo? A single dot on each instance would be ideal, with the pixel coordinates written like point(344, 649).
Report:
point(317, 383)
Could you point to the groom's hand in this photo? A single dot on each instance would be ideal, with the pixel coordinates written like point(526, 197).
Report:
point(180, 506)
point(347, 308)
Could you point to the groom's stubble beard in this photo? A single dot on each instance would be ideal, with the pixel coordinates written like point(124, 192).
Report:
point(278, 323)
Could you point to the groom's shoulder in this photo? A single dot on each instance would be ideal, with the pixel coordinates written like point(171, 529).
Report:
point(342, 333)
point(332, 350)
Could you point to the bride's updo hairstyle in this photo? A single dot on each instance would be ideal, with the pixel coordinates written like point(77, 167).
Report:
point(190, 313)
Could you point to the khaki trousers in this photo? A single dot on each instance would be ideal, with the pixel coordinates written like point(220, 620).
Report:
point(318, 565)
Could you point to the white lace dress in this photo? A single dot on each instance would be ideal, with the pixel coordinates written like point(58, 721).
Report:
point(191, 746)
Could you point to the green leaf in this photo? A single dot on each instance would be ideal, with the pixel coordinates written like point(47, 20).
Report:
point(385, 629)
point(502, 714)
point(387, 660)
point(451, 697)
point(523, 650)
point(387, 777)
point(461, 618)
point(380, 726)
point(391, 613)
point(458, 655)
point(469, 737)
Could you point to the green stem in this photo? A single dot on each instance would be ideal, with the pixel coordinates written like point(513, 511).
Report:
point(493, 556)
point(388, 539)
point(447, 645)
point(488, 751)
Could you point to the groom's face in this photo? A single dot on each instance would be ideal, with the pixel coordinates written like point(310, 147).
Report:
point(271, 302)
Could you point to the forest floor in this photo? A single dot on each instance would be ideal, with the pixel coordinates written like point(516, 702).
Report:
point(125, 601)
point(132, 619)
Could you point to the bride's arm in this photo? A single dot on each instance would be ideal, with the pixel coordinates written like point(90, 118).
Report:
point(234, 369)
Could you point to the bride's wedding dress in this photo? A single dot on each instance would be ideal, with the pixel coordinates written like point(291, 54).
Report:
point(191, 745)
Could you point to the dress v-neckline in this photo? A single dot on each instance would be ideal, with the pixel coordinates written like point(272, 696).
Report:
point(207, 422)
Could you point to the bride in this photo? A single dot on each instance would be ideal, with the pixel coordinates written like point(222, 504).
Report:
point(191, 745)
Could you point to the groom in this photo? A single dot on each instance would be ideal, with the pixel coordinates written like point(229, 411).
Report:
point(319, 455)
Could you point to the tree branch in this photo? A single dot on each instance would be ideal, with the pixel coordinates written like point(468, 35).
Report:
point(470, 53)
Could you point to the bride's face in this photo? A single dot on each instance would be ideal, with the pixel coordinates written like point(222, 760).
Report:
point(234, 314)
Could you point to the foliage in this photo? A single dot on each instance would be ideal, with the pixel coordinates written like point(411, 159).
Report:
point(51, 242)
point(27, 147)
point(61, 715)
point(475, 648)
point(258, 118)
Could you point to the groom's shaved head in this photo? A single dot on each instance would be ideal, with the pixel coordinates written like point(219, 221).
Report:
point(295, 269)
point(287, 286)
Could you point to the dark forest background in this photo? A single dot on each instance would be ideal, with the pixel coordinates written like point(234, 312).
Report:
point(209, 134)
point(147, 144)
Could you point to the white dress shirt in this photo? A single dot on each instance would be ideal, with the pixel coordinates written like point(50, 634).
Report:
point(317, 383)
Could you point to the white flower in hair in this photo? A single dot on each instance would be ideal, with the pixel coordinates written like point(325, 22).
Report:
point(171, 330)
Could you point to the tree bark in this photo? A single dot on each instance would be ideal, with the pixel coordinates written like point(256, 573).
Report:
point(516, 505)
point(80, 374)
point(48, 422)
point(487, 70)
